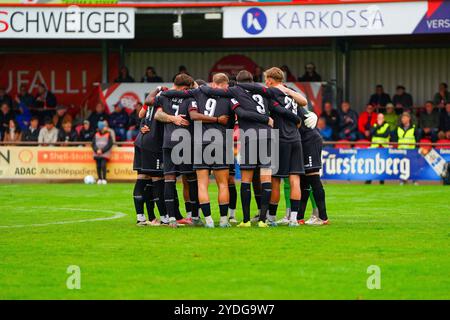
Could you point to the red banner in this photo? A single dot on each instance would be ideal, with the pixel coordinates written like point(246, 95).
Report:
point(70, 76)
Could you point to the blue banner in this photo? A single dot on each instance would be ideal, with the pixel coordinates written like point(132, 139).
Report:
point(384, 164)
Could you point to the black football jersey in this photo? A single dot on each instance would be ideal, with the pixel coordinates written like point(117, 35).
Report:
point(173, 107)
point(214, 106)
point(152, 140)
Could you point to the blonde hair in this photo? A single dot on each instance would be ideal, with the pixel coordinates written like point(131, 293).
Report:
point(275, 74)
point(219, 78)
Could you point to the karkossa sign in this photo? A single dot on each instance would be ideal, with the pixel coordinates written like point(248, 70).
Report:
point(432, 16)
point(67, 23)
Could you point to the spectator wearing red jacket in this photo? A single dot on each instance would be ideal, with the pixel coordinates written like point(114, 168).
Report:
point(366, 121)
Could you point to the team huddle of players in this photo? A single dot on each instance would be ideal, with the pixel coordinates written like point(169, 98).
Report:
point(274, 126)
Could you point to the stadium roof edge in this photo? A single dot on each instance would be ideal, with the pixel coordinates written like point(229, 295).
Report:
point(211, 4)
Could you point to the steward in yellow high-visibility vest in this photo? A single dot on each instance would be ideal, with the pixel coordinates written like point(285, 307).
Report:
point(380, 133)
point(406, 133)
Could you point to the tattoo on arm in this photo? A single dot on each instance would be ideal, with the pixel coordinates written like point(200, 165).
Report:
point(161, 116)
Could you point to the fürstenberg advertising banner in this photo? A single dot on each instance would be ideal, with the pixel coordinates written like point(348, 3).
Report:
point(66, 23)
point(431, 16)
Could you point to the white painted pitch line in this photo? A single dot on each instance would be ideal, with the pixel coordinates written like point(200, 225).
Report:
point(115, 215)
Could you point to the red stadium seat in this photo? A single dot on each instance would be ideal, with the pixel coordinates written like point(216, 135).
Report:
point(424, 140)
point(443, 141)
point(341, 144)
point(364, 144)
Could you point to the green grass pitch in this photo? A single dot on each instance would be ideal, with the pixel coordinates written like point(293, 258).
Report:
point(403, 230)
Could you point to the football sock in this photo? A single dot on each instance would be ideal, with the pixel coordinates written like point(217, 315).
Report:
point(233, 198)
point(178, 214)
point(158, 196)
point(223, 208)
point(273, 210)
point(193, 195)
point(188, 207)
point(265, 198)
point(138, 196)
point(148, 199)
point(295, 204)
point(246, 195)
point(169, 198)
point(319, 195)
point(206, 209)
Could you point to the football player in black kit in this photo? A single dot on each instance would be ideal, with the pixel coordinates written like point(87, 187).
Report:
point(174, 113)
point(312, 158)
point(211, 147)
point(284, 112)
point(255, 125)
point(148, 164)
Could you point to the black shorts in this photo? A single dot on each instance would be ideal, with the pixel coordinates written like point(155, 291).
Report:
point(213, 162)
point(152, 163)
point(290, 160)
point(250, 154)
point(137, 161)
point(171, 168)
point(312, 155)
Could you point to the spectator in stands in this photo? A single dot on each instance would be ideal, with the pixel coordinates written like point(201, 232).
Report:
point(86, 132)
point(118, 121)
point(325, 131)
point(310, 74)
point(134, 123)
point(379, 99)
point(151, 76)
point(102, 144)
point(98, 115)
point(258, 75)
point(5, 98)
point(444, 123)
point(61, 116)
point(288, 76)
point(75, 112)
point(24, 98)
point(429, 122)
point(442, 97)
point(48, 135)
point(23, 115)
point(391, 117)
point(402, 100)
point(13, 134)
point(367, 119)
point(380, 132)
point(31, 134)
point(348, 123)
point(406, 132)
point(124, 75)
point(67, 133)
point(331, 117)
point(45, 98)
point(5, 116)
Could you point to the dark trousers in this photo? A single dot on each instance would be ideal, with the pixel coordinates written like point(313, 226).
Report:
point(101, 168)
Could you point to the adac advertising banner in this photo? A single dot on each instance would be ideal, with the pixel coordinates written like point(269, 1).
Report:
point(70, 22)
point(128, 94)
point(384, 164)
point(61, 163)
point(355, 19)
